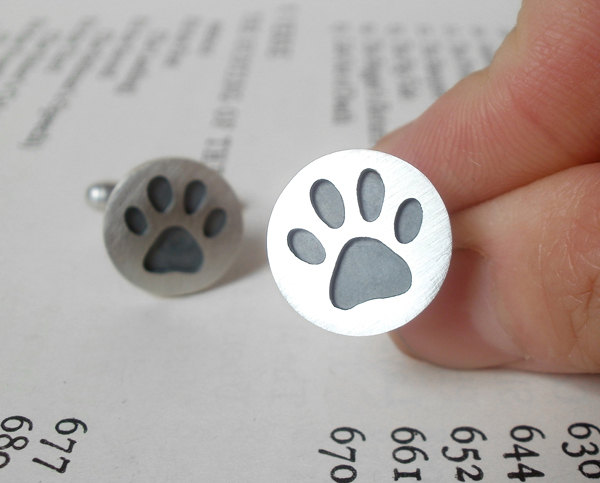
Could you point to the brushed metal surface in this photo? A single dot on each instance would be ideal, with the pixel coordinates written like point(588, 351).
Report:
point(308, 286)
point(128, 250)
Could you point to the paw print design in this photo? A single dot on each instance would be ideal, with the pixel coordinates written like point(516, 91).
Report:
point(173, 226)
point(359, 242)
point(175, 249)
point(366, 268)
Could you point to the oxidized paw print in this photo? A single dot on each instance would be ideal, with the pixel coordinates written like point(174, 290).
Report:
point(366, 268)
point(359, 242)
point(173, 226)
point(175, 249)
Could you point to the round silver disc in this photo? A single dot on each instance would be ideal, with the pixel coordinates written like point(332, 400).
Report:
point(172, 226)
point(359, 242)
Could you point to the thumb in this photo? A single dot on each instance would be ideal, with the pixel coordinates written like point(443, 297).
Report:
point(523, 289)
point(506, 148)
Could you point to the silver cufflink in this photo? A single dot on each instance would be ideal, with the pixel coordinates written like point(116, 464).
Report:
point(172, 226)
point(359, 242)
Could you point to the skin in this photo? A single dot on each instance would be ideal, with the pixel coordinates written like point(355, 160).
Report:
point(514, 151)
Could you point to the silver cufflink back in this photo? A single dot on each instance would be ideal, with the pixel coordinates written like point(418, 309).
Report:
point(172, 226)
point(359, 242)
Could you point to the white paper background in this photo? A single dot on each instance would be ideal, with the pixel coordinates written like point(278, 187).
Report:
point(230, 384)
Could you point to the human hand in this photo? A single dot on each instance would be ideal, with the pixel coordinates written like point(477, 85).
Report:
point(514, 151)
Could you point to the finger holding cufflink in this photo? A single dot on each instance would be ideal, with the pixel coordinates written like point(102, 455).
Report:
point(359, 242)
point(172, 226)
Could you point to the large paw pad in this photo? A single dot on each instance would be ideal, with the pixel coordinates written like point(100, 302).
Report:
point(173, 226)
point(369, 241)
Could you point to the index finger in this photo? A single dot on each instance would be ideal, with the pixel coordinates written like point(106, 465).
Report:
point(533, 112)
